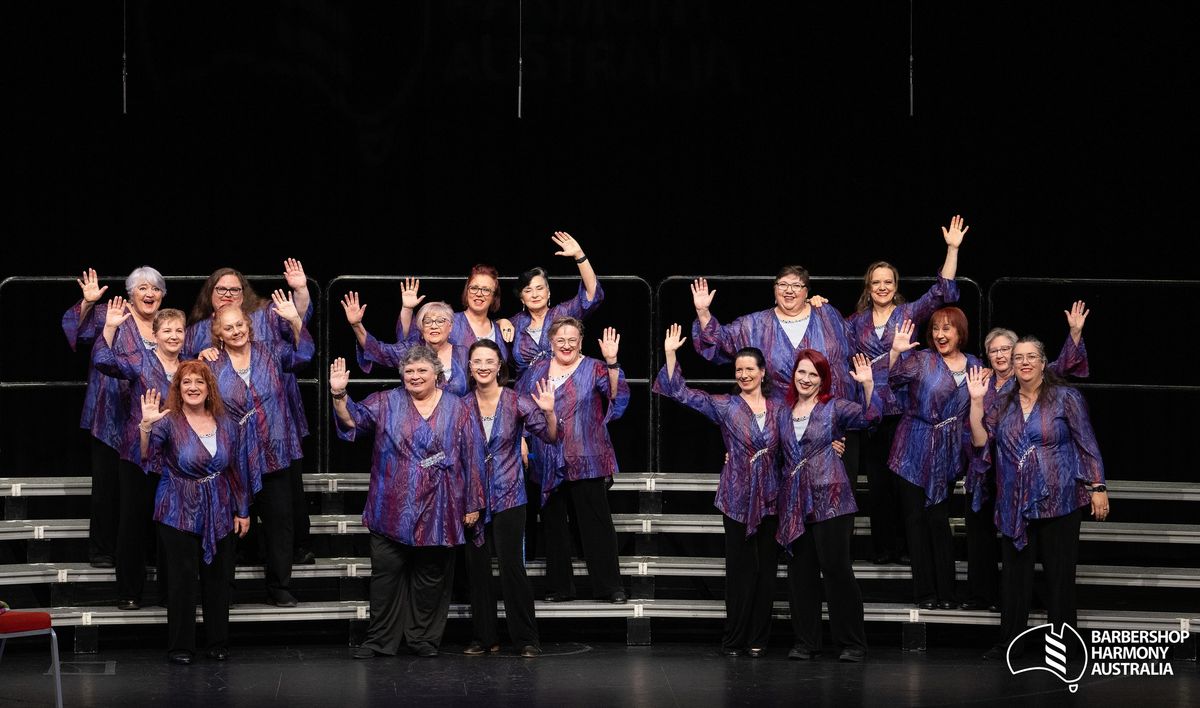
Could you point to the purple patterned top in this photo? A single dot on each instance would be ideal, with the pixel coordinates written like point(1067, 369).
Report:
point(498, 458)
point(525, 350)
point(376, 352)
point(106, 403)
point(143, 370)
point(461, 333)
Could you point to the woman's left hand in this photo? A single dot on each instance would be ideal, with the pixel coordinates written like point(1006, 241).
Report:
point(567, 245)
point(241, 524)
point(609, 344)
point(1100, 505)
point(862, 369)
point(544, 397)
point(284, 307)
point(293, 272)
point(507, 332)
point(817, 301)
point(471, 518)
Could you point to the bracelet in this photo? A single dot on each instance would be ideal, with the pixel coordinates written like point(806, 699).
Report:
point(614, 365)
point(338, 396)
point(581, 259)
point(145, 429)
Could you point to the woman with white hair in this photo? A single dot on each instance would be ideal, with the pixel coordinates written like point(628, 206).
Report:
point(434, 321)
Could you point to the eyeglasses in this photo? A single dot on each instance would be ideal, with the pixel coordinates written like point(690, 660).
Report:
point(438, 321)
point(790, 287)
point(1022, 358)
point(1001, 350)
point(560, 342)
point(479, 290)
point(222, 290)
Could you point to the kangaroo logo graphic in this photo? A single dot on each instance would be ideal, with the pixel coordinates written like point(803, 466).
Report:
point(1053, 654)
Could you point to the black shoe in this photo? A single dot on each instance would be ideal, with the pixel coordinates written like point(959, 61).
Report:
point(947, 605)
point(852, 655)
point(996, 652)
point(994, 608)
point(183, 658)
point(927, 604)
point(303, 556)
point(756, 652)
point(904, 559)
point(363, 653)
point(218, 654)
point(558, 597)
point(529, 651)
point(128, 605)
point(973, 605)
point(103, 562)
point(476, 648)
point(427, 651)
point(283, 598)
point(618, 598)
point(800, 653)
point(882, 558)
point(728, 652)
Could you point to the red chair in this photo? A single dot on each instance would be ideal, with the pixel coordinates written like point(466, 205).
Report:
point(30, 624)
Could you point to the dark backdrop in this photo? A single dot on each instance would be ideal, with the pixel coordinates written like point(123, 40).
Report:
point(670, 137)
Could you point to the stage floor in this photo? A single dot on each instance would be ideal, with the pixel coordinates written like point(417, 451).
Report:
point(574, 674)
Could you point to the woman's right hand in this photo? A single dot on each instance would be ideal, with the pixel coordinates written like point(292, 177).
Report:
point(339, 376)
point(977, 382)
point(354, 310)
point(118, 312)
point(90, 285)
point(902, 340)
point(150, 403)
point(408, 293)
point(702, 297)
point(674, 339)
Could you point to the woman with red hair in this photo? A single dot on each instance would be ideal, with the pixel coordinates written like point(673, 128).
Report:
point(481, 301)
point(816, 503)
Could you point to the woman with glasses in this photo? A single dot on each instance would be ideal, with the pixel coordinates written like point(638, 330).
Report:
point(532, 341)
point(880, 308)
point(983, 553)
point(422, 498)
point(747, 491)
point(1048, 466)
point(588, 393)
point(481, 300)
point(227, 286)
point(931, 447)
point(499, 417)
point(106, 404)
point(250, 374)
point(434, 321)
point(791, 325)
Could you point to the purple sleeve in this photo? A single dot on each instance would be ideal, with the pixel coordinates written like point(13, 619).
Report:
point(941, 293)
point(580, 307)
point(904, 371)
point(284, 328)
point(80, 332)
point(1072, 360)
point(365, 416)
point(677, 390)
point(1091, 466)
point(616, 406)
point(157, 447)
point(119, 365)
point(239, 479)
point(374, 351)
point(853, 416)
point(294, 356)
point(714, 342)
point(534, 418)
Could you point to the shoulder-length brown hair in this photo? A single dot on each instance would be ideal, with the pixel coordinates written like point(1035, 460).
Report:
point(212, 402)
point(864, 300)
point(203, 308)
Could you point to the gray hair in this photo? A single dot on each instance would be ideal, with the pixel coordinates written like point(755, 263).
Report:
point(426, 354)
point(999, 332)
point(145, 274)
point(431, 308)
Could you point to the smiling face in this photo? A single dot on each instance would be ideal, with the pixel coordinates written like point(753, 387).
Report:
point(748, 374)
point(227, 291)
point(536, 296)
point(232, 328)
point(194, 390)
point(435, 327)
point(882, 285)
point(790, 293)
point(568, 344)
point(806, 379)
point(420, 378)
point(945, 336)
point(169, 335)
point(1000, 355)
point(1028, 362)
point(481, 292)
point(484, 366)
point(146, 298)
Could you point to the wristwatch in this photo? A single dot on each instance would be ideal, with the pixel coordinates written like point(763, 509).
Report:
point(1100, 488)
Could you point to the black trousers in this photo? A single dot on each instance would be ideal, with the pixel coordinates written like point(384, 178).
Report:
point(1056, 542)
point(504, 536)
point(883, 489)
point(821, 564)
point(750, 568)
point(105, 502)
point(599, 538)
point(273, 507)
point(186, 561)
point(301, 537)
point(410, 594)
point(929, 544)
point(135, 530)
point(983, 554)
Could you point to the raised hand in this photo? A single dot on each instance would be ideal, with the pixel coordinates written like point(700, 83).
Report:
point(408, 293)
point(954, 235)
point(977, 382)
point(609, 343)
point(354, 310)
point(90, 285)
point(567, 245)
point(902, 340)
point(702, 297)
point(862, 369)
point(1076, 317)
point(284, 307)
point(150, 403)
point(339, 376)
point(544, 397)
point(118, 312)
point(293, 272)
point(507, 331)
point(674, 339)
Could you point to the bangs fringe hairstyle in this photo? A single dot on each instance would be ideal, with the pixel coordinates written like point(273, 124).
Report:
point(212, 402)
point(957, 319)
point(489, 271)
point(821, 364)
